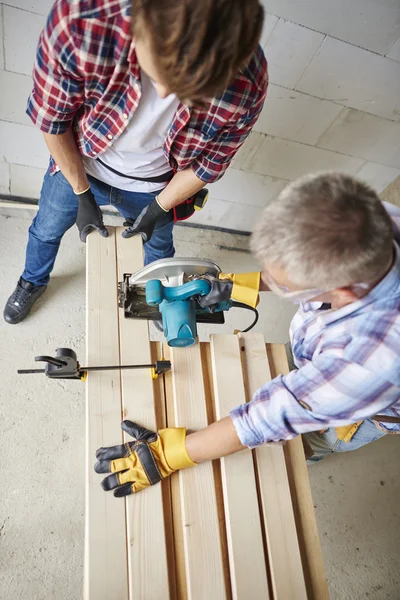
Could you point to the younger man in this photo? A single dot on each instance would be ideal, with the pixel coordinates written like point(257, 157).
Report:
point(141, 105)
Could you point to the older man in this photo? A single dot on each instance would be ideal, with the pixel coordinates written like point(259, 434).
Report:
point(329, 244)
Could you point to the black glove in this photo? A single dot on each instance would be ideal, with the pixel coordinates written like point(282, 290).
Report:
point(146, 221)
point(221, 290)
point(89, 216)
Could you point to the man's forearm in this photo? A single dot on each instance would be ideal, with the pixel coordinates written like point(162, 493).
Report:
point(182, 186)
point(65, 152)
point(217, 440)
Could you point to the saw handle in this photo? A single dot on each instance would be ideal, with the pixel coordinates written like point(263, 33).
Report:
point(156, 292)
point(178, 309)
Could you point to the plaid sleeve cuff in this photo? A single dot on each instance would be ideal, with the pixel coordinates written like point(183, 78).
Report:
point(207, 170)
point(46, 119)
point(247, 433)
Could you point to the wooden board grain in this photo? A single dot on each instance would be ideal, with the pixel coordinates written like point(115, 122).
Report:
point(245, 543)
point(172, 540)
point(306, 524)
point(210, 404)
point(147, 553)
point(198, 504)
point(280, 527)
point(105, 571)
point(157, 353)
point(177, 520)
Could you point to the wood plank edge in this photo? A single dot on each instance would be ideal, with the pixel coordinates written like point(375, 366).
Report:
point(180, 566)
point(306, 524)
point(210, 403)
point(161, 419)
point(90, 460)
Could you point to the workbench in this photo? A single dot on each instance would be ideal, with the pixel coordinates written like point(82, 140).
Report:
point(240, 527)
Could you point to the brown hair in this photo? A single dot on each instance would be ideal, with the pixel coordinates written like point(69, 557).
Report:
point(200, 45)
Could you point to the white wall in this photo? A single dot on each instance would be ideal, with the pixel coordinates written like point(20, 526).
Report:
point(23, 154)
point(333, 103)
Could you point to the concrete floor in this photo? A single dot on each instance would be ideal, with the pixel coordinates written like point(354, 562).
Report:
point(42, 443)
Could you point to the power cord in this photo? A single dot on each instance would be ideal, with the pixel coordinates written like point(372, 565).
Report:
point(254, 310)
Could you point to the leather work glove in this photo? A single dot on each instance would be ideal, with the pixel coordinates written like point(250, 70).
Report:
point(89, 216)
point(146, 221)
point(144, 462)
point(242, 287)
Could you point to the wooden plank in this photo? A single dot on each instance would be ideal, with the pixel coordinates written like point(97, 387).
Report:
point(203, 557)
point(245, 543)
point(210, 405)
point(147, 554)
point(177, 520)
point(161, 418)
point(310, 546)
point(280, 527)
point(106, 576)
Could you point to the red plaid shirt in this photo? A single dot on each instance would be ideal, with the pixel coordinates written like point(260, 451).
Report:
point(86, 75)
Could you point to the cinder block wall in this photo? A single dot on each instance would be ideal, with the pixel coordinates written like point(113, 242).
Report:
point(333, 103)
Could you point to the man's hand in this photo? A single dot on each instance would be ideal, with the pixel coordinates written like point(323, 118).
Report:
point(144, 462)
point(89, 216)
point(221, 290)
point(146, 221)
point(242, 287)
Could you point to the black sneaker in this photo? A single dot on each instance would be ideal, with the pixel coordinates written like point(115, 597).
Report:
point(21, 301)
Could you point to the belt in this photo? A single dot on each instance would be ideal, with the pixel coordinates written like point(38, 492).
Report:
point(385, 419)
point(164, 177)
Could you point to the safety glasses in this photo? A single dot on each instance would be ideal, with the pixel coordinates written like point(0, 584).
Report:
point(300, 296)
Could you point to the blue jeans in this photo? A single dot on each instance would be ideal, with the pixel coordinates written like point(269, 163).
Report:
point(58, 207)
point(327, 442)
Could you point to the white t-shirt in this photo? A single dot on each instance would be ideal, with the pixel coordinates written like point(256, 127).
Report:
point(138, 151)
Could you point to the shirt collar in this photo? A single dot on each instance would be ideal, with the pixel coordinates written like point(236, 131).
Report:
point(388, 286)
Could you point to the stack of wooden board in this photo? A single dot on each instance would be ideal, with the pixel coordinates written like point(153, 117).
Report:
point(243, 527)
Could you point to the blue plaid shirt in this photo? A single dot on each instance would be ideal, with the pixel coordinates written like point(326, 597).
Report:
point(348, 363)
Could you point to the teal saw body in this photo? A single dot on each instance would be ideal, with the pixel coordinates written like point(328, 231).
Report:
point(167, 291)
point(158, 292)
point(179, 308)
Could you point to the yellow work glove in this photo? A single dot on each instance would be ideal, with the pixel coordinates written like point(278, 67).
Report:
point(245, 287)
point(241, 287)
point(144, 462)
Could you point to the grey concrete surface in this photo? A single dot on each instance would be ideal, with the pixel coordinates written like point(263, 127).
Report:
point(356, 497)
point(42, 442)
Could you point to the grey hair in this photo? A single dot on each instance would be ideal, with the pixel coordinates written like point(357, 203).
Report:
point(327, 230)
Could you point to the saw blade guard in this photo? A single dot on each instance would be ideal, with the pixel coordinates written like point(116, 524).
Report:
point(173, 271)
